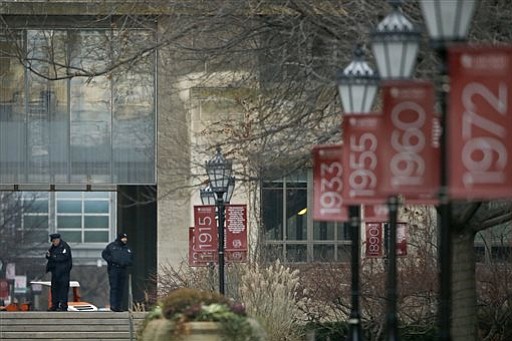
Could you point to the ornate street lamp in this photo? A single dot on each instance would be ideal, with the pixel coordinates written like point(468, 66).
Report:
point(357, 85)
point(395, 45)
point(219, 172)
point(447, 22)
point(208, 197)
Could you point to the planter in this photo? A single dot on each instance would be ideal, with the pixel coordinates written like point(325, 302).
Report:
point(163, 330)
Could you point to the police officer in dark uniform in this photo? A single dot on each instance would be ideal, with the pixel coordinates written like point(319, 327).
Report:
point(59, 264)
point(118, 256)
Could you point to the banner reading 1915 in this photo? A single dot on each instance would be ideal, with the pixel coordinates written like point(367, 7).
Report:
point(205, 228)
point(328, 184)
point(480, 122)
point(410, 147)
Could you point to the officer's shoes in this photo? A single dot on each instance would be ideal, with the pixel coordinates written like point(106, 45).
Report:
point(62, 309)
point(53, 309)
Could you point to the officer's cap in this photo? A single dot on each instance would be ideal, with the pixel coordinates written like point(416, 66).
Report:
point(54, 236)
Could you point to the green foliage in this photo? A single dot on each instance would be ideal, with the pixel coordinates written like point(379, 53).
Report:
point(190, 305)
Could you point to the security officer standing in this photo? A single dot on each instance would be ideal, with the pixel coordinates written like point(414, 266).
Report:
point(59, 264)
point(118, 256)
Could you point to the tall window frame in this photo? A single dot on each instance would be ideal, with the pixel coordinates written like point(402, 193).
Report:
point(289, 232)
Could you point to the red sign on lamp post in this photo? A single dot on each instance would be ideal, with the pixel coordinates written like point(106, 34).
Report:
point(480, 122)
point(236, 228)
point(361, 180)
point(205, 228)
point(410, 147)
point(328, 184)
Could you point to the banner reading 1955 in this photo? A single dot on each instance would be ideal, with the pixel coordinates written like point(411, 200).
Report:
point(480, 122)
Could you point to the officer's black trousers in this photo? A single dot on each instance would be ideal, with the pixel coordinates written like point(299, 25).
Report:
point(60, 290)
point(117, 278)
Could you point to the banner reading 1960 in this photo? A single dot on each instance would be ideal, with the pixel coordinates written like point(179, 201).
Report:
point(480, 122)
point(409, 146)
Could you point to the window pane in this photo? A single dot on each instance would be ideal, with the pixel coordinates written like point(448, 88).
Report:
point(69, 222)
point(272, 252)
point(272, 205)
point(74, 195)
point(36, 206)
point(36, 236)
point(35, 222)
point(344, 252)
point(296, 225)
point(69, 206)
point(343, 231)
point(96, 206)
point(96, 222)
point(97, 195)
point(296, 253)
point(323, 253)
point(71, 236)
point(96, 237)
point(323, 230)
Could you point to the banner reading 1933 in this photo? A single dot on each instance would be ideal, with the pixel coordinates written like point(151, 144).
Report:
point(480, 122)
point(328, 184)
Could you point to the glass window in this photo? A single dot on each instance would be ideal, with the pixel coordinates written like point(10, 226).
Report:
point(60, 130)
point(69, 222)
point(96, 206)
point(290, 233)
point(96, 222)
point(69, 206)
point(273, 213)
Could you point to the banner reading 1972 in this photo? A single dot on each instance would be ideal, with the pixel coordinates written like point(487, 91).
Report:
point(328, 184)
point(480, 122)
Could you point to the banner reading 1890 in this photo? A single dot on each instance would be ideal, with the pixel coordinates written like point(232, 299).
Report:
point(480, 122)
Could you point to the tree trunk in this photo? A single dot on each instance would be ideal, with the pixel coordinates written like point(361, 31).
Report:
point(464, 323)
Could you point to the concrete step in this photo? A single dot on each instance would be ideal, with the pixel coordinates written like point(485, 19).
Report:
point(75, 326)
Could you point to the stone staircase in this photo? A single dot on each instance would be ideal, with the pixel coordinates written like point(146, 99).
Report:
point(69, 326)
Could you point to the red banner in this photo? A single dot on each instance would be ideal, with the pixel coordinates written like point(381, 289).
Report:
point(328, 184)
point(374, 239)
point(375, 213)
point(236, 228)
point(363, 135)
point(4, 289)
point(198, 258)
point(205, 228)
point(401, 239)
point(480, 122)
point(409, 148)
point(236, 256)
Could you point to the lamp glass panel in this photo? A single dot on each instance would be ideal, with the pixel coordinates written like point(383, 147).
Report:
point(346, 98)
point(447, 20)
point(409, 58)
point(371, 92)
point(381, 57)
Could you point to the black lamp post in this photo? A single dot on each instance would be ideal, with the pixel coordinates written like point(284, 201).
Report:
point(219, 174)
point(447, 22)
point(358, 85)
point(395, 45)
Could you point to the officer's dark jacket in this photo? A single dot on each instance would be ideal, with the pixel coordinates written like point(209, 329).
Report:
point(118, 254)
point(60, 260)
